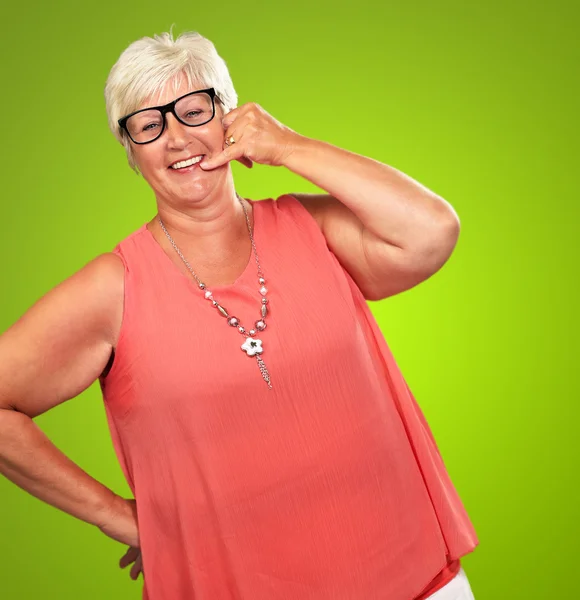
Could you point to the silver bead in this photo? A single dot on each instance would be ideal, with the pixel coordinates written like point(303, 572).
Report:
point(252, 332)
point(202, 286)
point(222, 310)
point(261, 281)
point(260, 325)
point(233, 321)
point(214, 302)
point(264, 310)
point(264, 300)
point(241, 329)
point(263, 290)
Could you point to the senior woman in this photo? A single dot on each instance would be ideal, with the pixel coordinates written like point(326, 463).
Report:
point(270, 441)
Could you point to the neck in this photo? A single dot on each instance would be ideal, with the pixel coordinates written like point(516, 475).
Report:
point(213, 227)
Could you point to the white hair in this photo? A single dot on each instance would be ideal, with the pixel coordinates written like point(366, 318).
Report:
point(147, 65)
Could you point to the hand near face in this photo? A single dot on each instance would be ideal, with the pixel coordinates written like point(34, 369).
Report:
point(258, 136)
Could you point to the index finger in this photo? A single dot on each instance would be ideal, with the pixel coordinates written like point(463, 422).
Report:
point(227, 154)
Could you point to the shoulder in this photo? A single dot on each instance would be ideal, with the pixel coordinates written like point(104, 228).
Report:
point(99, 276)
point(110, 263)
point(105, 272)
point(313, 203)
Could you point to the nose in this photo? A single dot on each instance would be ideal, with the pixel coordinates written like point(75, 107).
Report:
point(175, 131)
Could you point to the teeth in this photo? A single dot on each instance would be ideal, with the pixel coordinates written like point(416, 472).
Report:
point(187, 163)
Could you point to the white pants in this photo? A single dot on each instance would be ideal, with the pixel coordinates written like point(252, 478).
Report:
point(457, 589)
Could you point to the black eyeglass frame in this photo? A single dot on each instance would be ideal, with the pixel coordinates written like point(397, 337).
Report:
point(170, 107)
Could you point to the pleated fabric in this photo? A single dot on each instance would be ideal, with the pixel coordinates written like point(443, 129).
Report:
point(329, 486)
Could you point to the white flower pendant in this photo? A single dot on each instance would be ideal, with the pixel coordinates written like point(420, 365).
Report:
point(252, 346)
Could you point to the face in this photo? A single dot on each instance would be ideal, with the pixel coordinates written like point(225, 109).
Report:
point(180, 142)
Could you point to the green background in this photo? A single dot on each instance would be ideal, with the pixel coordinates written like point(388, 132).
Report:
point(477, 102)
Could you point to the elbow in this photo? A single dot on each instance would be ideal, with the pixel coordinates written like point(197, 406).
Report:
point(437, 250)
point(448, 234)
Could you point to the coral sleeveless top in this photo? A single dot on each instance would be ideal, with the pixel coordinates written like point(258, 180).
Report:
point(329, 486)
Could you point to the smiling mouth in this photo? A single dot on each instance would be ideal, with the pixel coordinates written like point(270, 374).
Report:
point(184, 164)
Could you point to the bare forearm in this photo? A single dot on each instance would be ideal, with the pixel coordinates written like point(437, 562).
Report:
point(389, 203)
point(30, 460)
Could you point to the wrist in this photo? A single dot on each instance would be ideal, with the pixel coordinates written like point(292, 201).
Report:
point(296, 144)
point(110, 507)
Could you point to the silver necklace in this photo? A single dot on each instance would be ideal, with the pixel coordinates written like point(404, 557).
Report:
point(252, 346)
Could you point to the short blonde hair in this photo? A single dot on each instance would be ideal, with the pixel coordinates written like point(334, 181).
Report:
point(147, 65)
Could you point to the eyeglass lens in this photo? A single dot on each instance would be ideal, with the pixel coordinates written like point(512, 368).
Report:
point(193, 110)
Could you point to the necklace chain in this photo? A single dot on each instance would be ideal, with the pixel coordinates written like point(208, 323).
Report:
point(252, 346)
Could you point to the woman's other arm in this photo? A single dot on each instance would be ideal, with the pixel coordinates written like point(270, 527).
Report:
point(57, 349)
